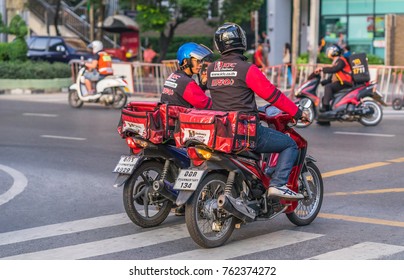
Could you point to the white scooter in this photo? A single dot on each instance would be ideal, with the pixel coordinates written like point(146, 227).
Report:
point(111, 91)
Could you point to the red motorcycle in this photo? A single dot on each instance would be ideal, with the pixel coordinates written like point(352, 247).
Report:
point(360, 103)
point(222, 190)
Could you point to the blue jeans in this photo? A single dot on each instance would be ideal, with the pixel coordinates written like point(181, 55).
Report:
point(271, 141)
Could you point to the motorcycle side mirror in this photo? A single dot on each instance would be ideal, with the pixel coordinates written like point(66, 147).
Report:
point(305, 103)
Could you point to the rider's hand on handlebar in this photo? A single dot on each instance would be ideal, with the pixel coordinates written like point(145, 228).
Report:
point(318, 70)
point(305, 118)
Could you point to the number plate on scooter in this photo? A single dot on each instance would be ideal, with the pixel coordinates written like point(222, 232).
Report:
point(188, 179)
point(126, 164)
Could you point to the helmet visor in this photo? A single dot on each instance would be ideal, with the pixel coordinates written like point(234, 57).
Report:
point(201, 53)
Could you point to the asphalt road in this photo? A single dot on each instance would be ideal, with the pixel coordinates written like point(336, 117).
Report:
point(57, 199)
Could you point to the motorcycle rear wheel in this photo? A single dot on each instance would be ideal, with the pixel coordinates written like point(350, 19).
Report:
point(120, 98)
point(74, 100)
point(200, 213)
point(376, 117)
point(397, 103)
point(308, 209)
point(143, 205)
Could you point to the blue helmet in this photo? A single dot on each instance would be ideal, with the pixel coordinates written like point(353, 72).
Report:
point(198, 51)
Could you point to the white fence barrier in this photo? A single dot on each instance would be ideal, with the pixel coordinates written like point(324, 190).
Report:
point(147, 79)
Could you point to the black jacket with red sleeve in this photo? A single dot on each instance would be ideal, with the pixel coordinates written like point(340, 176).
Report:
point(232, 82)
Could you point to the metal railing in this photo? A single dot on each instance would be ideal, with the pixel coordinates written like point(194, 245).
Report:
point(148, 78)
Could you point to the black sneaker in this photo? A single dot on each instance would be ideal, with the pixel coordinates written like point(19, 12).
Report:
point(283, 192)
point(180, 210)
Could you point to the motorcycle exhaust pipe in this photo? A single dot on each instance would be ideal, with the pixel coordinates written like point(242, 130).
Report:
point(364, 111)
point(159, 186)
point(236, 207)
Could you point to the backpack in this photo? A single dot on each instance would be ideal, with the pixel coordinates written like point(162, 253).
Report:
point(359, 68)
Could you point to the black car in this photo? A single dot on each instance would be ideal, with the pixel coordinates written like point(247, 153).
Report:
point(57, 49)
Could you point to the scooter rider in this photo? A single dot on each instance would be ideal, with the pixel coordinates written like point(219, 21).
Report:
point(340, 79)
point(180, 88)
point(232, 82)
point(99, 67)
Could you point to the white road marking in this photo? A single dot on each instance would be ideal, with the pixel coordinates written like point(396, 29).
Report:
point(40, 115)
point(393, 116)
point(247, 246)
point(108, 246)
point(19, 184)
point(63, 228)
point(364, 134)
point(63, 137)
point(361, 251)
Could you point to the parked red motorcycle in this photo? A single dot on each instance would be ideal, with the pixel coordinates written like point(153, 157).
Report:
point(360, 103)
point(222, 190)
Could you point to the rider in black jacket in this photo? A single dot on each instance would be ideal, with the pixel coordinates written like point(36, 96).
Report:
point(233, 82)
point(341, 76)
point(180, 88)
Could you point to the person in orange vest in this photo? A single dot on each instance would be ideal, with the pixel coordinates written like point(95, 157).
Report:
point(99, 67)
point(341, 76)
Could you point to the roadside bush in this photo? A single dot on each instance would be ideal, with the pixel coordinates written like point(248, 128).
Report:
point(16, 50)
point(33, 70)
point(373, 59)
point(303, 58)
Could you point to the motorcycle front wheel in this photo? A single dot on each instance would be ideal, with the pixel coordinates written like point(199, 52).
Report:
point(145, 207)
point(397, 103)
point(205, 225)
point(120, 98)
point(74, 99)
point(308, 208)
point(376, 117)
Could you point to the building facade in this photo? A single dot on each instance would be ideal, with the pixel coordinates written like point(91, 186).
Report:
point(361, 24)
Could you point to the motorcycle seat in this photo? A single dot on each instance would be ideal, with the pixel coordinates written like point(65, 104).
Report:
point(250, 154)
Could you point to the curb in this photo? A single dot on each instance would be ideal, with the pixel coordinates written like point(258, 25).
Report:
point(24, 91)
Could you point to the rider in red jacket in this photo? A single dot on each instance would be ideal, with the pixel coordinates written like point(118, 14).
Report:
point(233, 82)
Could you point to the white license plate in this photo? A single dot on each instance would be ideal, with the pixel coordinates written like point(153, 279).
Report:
point(126, 164)
point(188, 179)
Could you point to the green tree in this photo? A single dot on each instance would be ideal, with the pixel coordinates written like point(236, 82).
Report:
point(165, 17)
point(16, 50)
point(17, 27)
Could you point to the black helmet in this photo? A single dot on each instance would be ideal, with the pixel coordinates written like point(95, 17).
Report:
point(229, 37)
point(334, 51)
